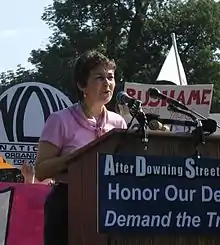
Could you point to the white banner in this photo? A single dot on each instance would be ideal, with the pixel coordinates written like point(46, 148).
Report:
point(196, 97)
point(24, 109)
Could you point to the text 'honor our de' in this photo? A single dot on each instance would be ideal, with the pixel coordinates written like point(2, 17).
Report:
point(134, 193)
point(171, 192)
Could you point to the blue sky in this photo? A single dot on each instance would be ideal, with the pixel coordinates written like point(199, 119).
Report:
point(21, 30)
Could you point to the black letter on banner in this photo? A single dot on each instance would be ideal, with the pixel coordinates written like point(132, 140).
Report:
point(51, 99)
point(53, 102)
point(21, 113)
point(6, 202)
point(8, 114)
point(61, 106)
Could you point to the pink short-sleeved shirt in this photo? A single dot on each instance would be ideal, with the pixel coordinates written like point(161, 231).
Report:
point(69, 129)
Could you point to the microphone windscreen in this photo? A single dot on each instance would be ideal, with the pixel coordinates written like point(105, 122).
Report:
point(209, 125)
point(153, 93)
point(120, 97)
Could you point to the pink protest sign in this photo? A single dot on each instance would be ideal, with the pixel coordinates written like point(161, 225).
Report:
point(21, 213)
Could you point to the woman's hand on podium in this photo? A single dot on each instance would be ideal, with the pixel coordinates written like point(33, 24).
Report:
point(49, 163)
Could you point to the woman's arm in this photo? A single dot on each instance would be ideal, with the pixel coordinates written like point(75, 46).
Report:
point(49, 163)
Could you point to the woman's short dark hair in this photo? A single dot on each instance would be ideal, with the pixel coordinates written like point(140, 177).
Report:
point(87, 62)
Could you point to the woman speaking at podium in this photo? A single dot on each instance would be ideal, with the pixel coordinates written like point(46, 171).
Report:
point(71, 128)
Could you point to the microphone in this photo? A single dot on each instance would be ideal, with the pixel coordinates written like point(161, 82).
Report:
point(123, 98)
point(209, 126)
point(156, 125)
point(156, 94)
point(136, 111)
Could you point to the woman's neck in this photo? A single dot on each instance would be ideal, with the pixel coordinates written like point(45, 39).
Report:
point(91, 109)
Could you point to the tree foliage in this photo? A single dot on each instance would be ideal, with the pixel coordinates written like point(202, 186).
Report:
point(137, 34)
point(20, 75)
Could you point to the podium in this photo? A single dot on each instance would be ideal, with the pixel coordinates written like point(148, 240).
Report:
point(82, 172)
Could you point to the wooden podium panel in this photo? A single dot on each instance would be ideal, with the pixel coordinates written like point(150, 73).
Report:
point(83, 186)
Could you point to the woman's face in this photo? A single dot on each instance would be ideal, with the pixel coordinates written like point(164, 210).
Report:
point(100, 85)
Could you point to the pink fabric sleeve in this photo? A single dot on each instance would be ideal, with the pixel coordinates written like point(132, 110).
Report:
point(53, 131)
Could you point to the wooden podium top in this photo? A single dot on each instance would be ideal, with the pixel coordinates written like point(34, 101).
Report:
point(150, 134)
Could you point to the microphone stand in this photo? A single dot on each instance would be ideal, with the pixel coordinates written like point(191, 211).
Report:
point(197, 133)
point(156, 94)
point(197, 114)
point(177, 110)
point(137, 112)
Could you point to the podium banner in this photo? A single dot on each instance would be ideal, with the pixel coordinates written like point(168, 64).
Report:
point(139, 194)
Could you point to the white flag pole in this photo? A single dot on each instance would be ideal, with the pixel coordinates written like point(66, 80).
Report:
point(176, 55)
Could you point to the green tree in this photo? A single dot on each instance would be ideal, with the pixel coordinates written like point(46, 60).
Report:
point(20, 75)
point(137, 34)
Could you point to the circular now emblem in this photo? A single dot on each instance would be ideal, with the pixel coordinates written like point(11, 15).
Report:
point(24, 108)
